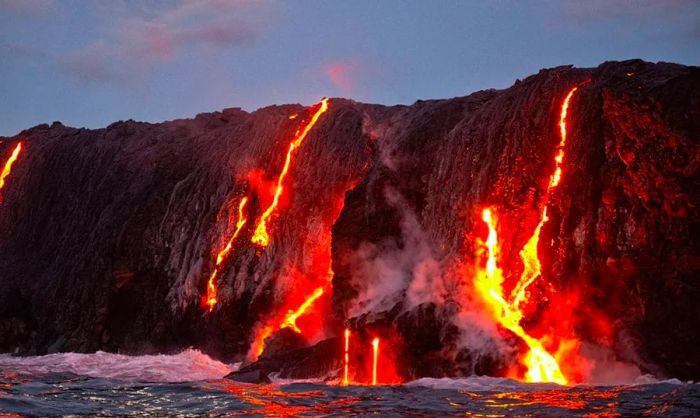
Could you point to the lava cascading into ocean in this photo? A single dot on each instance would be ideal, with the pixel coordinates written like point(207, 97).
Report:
point(261, 236)
point(7, 168)
point(375, 358)
point(346, 358)
point(212, 293)
point(541, 365)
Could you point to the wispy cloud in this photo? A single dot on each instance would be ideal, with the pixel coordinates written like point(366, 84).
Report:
point(144, 36)
point(347, 75)
point(26, 7)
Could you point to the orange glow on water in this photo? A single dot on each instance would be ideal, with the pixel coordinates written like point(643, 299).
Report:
point(346, 360)
point(7, 168)
point(375, 357)
point(541, 365)
point(261, 236)
point(212, 293)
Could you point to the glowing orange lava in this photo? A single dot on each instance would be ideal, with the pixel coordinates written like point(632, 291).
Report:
point(290, 321)
point(541, 365)
point(375, 357)
point(261, 236)
point(532, 268)
point(212, 293)
point(346, 360)
point(7, 168)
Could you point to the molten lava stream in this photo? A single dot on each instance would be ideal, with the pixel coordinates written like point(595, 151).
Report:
point(7, 168)
point(289, 321)
point(261, 236)
point(375, 357)
point(542, 366)
point(212, 294)
point(346, 359)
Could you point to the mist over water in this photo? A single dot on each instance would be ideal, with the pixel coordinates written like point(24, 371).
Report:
point(191, 384)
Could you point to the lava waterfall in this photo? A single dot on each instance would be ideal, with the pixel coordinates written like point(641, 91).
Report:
point(546, 232)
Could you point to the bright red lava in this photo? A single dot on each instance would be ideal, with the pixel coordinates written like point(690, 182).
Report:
point(541, 365)
point(211, 298)
point(261, 236)
point(7, 168)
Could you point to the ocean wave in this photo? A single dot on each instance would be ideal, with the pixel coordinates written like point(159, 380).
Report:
point(189, 365)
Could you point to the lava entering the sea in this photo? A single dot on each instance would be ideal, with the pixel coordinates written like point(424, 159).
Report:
point(261, 236)
point(375, 357)
point(7, 168)
point(541, 365)
point(346, 358)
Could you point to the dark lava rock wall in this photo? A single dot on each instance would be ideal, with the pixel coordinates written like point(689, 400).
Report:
point(107, 237)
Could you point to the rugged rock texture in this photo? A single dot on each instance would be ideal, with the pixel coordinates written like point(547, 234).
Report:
point(107, 237)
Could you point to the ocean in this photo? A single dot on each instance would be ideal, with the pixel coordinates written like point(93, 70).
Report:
point(192, 384)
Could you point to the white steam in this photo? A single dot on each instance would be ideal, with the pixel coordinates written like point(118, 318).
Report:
point(389, 272)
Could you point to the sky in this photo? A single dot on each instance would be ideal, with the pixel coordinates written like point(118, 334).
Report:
point(88, 63)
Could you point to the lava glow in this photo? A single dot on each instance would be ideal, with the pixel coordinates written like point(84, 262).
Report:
point(559, 156)
point(290, 321)
point(212, 298)
point(375, 357)
point(541, 365)
point(346, 359)
point(261, 236)
point(7, 168)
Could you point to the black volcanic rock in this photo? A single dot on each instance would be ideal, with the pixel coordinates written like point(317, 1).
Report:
point(322, 360)
point(107, 235)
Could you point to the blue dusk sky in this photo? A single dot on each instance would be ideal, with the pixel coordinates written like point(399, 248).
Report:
point(88, 63)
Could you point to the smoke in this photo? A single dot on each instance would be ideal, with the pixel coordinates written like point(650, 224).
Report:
point(391, 272)
point(599, 365)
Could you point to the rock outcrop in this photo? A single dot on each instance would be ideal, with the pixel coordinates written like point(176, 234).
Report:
point(108, 236)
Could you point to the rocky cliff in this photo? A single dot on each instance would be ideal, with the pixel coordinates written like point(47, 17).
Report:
point(108, 237)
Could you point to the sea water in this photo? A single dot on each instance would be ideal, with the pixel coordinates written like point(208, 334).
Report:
point(192, 384)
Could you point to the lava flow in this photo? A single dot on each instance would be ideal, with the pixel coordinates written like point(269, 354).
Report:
point(375, 357)
point(261, 236)
point(212, 298)
point(541, 365)
point(7, 168)
point(346, 359)
point(289, 321)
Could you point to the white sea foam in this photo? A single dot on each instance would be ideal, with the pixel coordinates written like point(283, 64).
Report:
point(500, 384)
point(189, 365)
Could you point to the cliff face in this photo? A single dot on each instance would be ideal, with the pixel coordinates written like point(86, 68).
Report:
point(108, 237)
